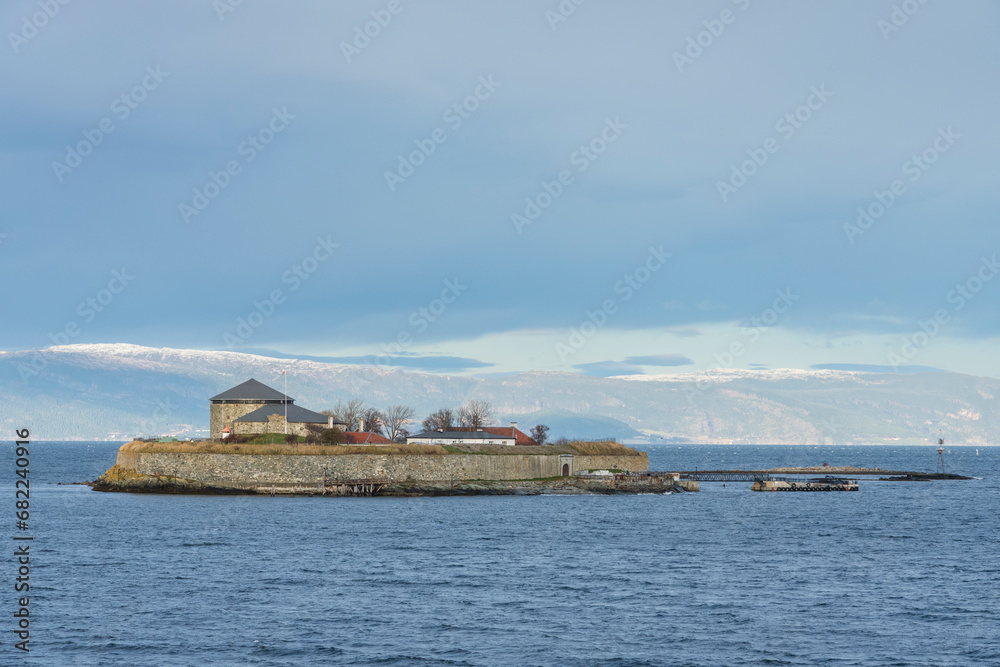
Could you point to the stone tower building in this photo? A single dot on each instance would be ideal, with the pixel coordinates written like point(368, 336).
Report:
point(253, 407)
point(238, 401)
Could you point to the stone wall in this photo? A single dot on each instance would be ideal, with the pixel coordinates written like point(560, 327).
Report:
point(583, 463)
point(221, 414)
point(244, 469)
point(226, 414)
point(274, 424)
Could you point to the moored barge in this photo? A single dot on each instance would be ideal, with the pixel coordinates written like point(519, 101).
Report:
point(819, 484)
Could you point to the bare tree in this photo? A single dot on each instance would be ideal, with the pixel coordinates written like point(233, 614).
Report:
point(350, 413)
point(374, 420)
point(442, 419)
point(539, 433)
point(396, 417)
point(476, 414)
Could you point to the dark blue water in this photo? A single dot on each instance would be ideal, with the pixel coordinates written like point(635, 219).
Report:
point(896, 574)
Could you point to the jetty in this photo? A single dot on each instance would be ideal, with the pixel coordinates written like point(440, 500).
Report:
point(836, 471)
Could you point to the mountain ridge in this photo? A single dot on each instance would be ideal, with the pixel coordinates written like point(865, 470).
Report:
point(118, 390)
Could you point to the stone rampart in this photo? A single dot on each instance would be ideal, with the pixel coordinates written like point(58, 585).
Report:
point(244, 469)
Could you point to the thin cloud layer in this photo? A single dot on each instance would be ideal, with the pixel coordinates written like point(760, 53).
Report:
point(266, 178)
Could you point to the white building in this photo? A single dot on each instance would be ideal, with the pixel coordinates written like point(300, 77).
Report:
point(477, 437)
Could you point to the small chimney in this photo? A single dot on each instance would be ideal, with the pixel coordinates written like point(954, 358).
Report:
point(513, 429)
point(329, 423)
point(361, 425)
point(440, 430)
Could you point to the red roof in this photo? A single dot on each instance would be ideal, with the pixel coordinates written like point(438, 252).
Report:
point(520, 438)
point(365, 438)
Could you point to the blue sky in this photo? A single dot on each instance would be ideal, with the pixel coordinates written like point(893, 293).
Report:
point(697, 168)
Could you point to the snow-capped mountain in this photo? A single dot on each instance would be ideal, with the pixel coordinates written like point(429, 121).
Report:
point(118, 391)
point(730, 374)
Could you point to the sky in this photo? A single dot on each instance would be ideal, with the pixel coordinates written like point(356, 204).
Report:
point(479, 188)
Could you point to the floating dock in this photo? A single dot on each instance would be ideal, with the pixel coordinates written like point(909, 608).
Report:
point(819, 484)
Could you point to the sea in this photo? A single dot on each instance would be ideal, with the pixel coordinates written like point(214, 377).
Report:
point(899, 573)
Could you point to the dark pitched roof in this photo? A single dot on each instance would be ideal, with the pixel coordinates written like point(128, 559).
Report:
point(460, 435)
point(295, 414)
point(366, 438)
point(251, 390)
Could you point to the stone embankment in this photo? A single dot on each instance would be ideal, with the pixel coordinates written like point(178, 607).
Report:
point(399, 470)
point(117, 479)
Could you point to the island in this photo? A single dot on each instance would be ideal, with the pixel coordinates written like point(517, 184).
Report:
point(388, 470)
point(262, 443)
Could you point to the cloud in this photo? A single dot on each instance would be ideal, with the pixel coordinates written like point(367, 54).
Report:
point(660, 360)
point(709, 305)
point(605, 369)
point(631, 365)
point(452, 218)
point(683, 332)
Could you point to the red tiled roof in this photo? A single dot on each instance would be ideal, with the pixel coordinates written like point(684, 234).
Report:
point(365, 438)
point(520, 438)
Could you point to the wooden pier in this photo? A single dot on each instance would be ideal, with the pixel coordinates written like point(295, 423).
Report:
point(727, 476)
point(353, 487)
point(327, 487)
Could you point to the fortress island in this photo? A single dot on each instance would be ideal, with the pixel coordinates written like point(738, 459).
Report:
point(262, 443)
